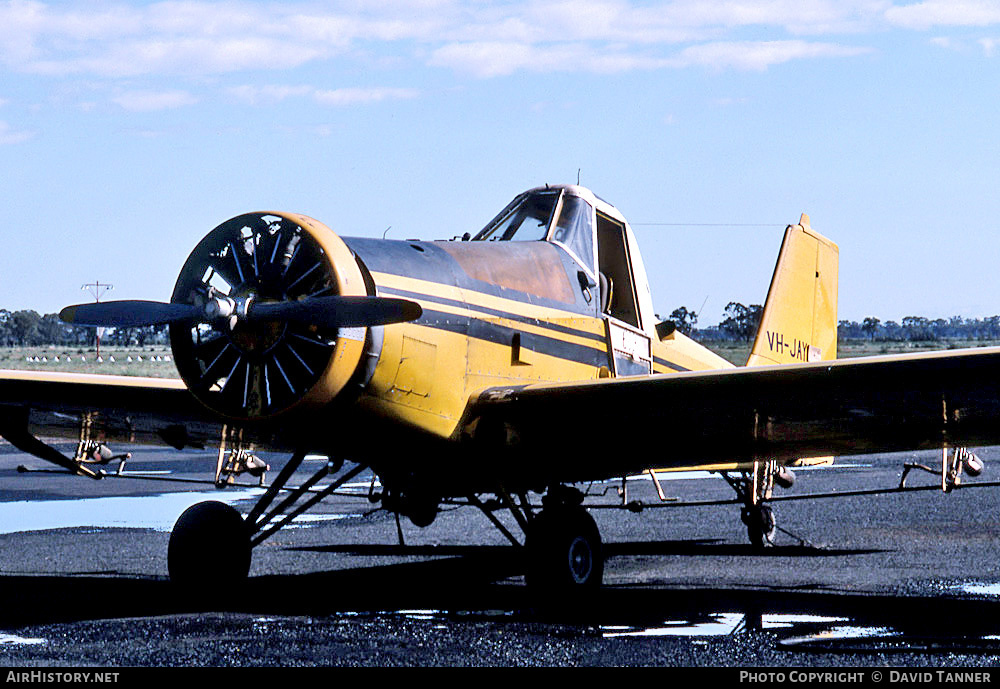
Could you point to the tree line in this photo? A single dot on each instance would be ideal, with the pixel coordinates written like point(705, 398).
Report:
point(27, 328)
point(740, 322)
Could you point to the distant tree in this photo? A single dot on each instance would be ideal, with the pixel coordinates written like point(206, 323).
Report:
point(24, 327)
point(918, 329)
point(51, 330)
point(848, 330)
point(6, 334)
point(684, 320)
point(870, 326)
point(741, 321)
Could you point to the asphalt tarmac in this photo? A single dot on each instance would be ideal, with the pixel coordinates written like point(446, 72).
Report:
point(897, 579)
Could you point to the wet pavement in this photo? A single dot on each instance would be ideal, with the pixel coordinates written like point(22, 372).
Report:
point(908, 580)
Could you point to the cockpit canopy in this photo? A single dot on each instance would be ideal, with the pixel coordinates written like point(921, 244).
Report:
point(555, 215)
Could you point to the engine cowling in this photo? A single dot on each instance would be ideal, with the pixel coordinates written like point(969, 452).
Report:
point(261, 368)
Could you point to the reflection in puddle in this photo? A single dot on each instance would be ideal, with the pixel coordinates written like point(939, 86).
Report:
point(794, 630)
point(724, 624)
point(717, 625)
point(10, 639)
point(157, 512)
point(843, 633)
point(979, 588)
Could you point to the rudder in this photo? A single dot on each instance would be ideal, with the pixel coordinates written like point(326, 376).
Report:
point(799, 320)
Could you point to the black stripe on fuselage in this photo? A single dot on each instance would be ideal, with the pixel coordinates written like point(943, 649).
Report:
point(482, 329)
point(487, 331)
point(499, 313)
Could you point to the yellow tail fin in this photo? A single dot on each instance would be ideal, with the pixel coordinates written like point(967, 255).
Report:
point(799, 321)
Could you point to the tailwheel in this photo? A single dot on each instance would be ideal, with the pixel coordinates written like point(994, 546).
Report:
point(564, 551)
point(209, 542)
point(761, 525)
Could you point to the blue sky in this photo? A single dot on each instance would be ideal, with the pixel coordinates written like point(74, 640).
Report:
point(129, 130)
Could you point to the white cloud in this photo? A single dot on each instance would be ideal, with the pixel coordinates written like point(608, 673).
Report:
point(759, 55)
point(924, 15)
point(183, 56)
point(10, 136)
point(353, 96)
point(491, 59)
point(113, 39)
point(257, 95)
point(989, 46)
point(118, 39)
point(497, 59)
point(148, 101)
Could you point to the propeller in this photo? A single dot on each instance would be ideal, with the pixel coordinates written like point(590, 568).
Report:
point(328, 312)
point(128, 313)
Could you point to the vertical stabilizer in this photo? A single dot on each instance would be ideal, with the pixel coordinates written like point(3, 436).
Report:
point(799, 321)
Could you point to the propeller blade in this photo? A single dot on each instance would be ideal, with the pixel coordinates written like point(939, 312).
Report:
point(128, 313)
point(339, 312)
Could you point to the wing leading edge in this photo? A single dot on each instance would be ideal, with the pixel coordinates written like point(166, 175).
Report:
point(603, 429)
point(119, 408)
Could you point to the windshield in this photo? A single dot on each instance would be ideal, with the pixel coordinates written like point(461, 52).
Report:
point(524, 220)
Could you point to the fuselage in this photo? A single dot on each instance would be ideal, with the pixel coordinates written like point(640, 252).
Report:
point(509, 313)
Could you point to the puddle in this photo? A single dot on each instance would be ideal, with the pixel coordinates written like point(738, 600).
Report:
point(979, 588)
point(793, 630)
point(804, 632)
point(420, 614)
point(724, 624)
point(157, 512)
point(11, 640)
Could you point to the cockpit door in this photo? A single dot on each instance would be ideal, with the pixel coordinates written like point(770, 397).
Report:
point(618, 298)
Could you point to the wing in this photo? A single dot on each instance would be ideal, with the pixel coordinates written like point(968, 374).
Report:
point(115, 408)
point(607, 428)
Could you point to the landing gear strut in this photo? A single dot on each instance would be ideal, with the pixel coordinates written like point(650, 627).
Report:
point(761, 525)
point(754, 488)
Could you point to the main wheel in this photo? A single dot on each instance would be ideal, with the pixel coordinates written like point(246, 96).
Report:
point(209, 542)
point(564, 551)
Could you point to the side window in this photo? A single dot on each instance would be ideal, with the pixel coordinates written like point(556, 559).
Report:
point(575, 229)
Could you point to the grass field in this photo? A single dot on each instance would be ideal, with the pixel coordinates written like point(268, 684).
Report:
point(737, 352)
point(114, 360)
point(157, 362)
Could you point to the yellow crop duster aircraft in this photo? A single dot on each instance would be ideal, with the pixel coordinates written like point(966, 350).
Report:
point(520, 360)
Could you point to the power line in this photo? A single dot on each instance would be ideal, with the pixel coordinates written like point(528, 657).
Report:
point(705, 224)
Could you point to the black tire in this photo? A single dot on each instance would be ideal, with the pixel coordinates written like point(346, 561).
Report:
point(210, 542)
point(564, 551)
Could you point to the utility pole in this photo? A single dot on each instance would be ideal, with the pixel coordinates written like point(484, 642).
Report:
point(97, 289)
